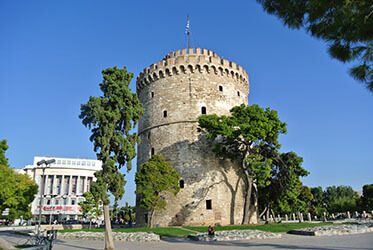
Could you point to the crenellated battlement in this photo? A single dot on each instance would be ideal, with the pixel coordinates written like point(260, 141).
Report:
point(192, 60)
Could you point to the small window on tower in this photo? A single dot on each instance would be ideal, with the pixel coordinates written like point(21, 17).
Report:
point(238, 93)
point(152, 94)
point(203, 110)
point(152, 151)
point(181, 182)
point(165, 113)
point(220, 88)
point(148, 135)
point(208, 204)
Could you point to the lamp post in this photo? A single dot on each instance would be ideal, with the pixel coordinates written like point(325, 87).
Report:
point(40, 163)
point(64, 197)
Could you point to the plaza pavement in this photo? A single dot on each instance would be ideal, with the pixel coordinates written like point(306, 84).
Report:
point(294, 242)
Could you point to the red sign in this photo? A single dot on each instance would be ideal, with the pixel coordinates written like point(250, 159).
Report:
point(61, 208)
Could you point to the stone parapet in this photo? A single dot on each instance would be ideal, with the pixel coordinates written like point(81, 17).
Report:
point(194, 60)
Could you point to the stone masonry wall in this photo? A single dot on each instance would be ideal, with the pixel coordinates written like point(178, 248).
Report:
point(185, 84)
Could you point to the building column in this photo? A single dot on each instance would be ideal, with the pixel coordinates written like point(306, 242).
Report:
point(70, 184)
point(46, 177)
point(62, 185)
point(53, 184)
point(85, 184)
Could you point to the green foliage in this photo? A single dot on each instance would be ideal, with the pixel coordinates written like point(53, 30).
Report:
point(114, 211)
point(3, 148)
point(340, 199)
point(345, 25)
point(110, 118)
point(318, 205)
point(367, 198)
point(296, 198)
point(285, 190)
point(127, 213)
point(17, 191)
point(91, 207)
point(153, 177)
point(250, 137)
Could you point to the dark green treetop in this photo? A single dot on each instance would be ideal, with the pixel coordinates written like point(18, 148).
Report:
point(346, 25)
point(286, 169)
point(3, 148)
point(367, 198)
point(110, 118)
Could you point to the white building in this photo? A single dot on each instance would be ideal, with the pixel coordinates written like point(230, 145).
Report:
point(64, 184)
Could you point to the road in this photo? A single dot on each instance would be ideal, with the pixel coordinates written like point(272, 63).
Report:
point(294, 242)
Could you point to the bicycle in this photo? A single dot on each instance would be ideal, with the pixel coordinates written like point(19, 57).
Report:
point(35, 240)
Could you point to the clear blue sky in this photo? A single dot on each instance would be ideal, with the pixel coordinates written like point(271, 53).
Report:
point(52, 54)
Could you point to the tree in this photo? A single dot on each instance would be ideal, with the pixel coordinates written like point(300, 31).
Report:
point(285, 187)
point(318, 205)
point(17, 191)
point(340, 199)
point(110, 118)
point(127, 213)
point(367, 198)
point(152, 179)
point(296, 198)
point(90, 207)
point(346, 26)
point(247, 136)
point(3, 148)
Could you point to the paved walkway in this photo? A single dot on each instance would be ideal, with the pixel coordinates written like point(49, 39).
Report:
point(294, 242)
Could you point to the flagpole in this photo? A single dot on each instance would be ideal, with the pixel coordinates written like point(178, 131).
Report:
point(187, 32)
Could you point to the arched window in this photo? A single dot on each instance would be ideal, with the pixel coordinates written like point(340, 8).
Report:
point(148, 135)
point(152, 94)
point(203, 110)
point(220, 88)
point(165, 113)
point(238, 93)
point(181, 183)
point(152, 151)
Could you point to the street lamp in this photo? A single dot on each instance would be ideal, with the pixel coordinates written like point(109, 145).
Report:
point(40, 163)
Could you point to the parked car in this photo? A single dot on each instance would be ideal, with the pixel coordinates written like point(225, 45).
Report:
point(71, 222)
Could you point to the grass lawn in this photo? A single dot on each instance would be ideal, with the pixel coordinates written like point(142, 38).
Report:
point(172, 231)
point(273, 227)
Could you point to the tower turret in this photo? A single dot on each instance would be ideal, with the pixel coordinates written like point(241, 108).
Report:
point(174, 92)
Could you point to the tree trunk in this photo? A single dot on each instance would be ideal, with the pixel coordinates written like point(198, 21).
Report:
point(109, 242)
point(152, 212)
point(90, 224)
point(273, 215)
point(263, 212)
point(267, 215)
point(246, 212)
point(253, 209)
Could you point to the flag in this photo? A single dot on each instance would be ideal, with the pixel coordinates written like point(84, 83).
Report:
point(187, 27)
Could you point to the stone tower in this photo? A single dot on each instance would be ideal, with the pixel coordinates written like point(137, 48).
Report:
point(174, 92)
